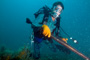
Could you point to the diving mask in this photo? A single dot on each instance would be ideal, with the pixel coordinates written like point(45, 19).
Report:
point(56, 11)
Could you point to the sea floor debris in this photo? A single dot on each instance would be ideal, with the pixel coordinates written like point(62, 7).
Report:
point(24, 54)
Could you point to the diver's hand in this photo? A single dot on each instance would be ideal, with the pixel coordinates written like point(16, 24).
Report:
point(46, 31)
point(65, 39)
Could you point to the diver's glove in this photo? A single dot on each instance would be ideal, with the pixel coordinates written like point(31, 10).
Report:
point(65, 39)
point(46, 31)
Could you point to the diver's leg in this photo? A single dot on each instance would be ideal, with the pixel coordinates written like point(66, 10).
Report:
point(36, 50)
point(52, 45)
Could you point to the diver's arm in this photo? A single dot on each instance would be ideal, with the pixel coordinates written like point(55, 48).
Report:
point(38, 20)
point(35, 23)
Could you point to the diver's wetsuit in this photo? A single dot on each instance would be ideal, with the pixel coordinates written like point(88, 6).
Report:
point(38, 37)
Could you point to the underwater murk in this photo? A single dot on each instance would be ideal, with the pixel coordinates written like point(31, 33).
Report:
point(24, 53)
point(15, 42)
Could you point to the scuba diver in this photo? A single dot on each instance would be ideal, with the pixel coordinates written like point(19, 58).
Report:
point(46, 23)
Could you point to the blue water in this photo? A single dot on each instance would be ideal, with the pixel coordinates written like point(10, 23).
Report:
point(14, 32)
